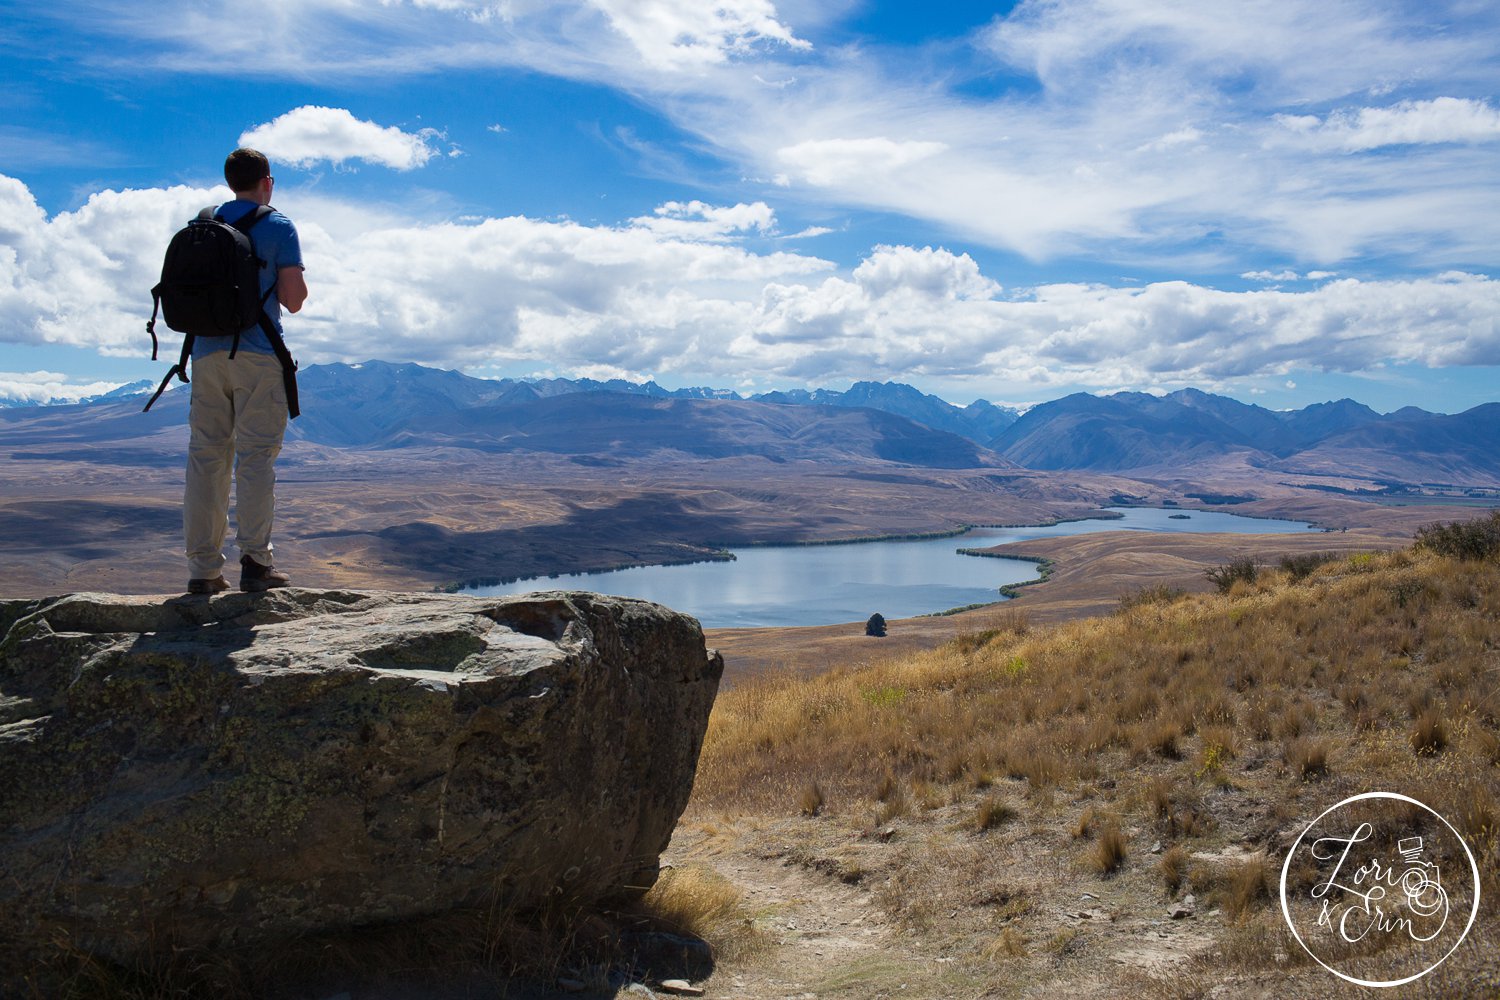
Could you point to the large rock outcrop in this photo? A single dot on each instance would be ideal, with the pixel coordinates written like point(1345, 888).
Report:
point(208, 772)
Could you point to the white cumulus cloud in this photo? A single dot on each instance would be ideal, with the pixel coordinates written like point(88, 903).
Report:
point(48, 387)
point(650, 298)
point(312, 134)
point(695, 220)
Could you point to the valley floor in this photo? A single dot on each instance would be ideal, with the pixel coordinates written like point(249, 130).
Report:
point(955, 851)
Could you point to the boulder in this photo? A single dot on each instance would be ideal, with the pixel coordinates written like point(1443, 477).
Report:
point(210, 772)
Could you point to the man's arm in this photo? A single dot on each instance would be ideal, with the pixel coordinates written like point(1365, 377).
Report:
point(291, 288)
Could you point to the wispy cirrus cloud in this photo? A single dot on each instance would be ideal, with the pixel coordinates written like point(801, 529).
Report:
point(1146, 134)
point(1440, 120)
point(831, 162)
point(690, 34)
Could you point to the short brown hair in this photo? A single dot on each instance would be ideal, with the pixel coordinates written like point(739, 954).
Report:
point(244, 169)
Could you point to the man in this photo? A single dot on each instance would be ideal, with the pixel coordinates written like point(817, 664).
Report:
point(238, 411)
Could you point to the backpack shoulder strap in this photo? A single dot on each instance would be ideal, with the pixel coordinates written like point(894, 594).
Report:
point(247, 222)
point(244, 224)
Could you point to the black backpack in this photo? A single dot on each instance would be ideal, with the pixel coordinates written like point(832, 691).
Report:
point(210, 287)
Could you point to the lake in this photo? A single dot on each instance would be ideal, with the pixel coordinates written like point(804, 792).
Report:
point(786, 585)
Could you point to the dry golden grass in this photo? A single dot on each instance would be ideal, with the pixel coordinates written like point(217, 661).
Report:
point(1430, 734)
point(1043, 704)
point(1109, 851)
point(695, 901)
point(994, 811)
point(1010, 944)
point(1173, 868)
point(1307, 759)
point(1487, 744)
point(1246, 885)
point(1213, 723)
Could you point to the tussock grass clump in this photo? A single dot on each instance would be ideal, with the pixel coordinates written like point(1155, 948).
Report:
point(1086, 824)
point(1246, 885)
point(1173, 868)
point(1476, 812)
point(1259, 725)
point(992, 812)
point(1487, 743)
point(893, 806)
point(1011, 943)
point(1295, 720)
point(1430, 734)
point(1109, 851)
point(695, 901)
point(1163, 740)
point(1307, 759)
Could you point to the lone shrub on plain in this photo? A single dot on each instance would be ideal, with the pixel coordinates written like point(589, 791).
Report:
point(1476, 539)
point(1237, 569)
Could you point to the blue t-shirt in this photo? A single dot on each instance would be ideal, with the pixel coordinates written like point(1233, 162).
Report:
point(276, 244)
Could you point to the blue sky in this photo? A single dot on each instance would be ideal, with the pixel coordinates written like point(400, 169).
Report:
point(1284, 202)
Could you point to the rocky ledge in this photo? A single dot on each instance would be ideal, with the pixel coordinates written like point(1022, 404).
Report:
point(209, 772)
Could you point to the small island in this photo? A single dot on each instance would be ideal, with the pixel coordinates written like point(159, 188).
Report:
point(1179, 517)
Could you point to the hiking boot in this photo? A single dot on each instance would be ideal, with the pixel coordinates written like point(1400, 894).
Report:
point(255, 577)
point(207, 586)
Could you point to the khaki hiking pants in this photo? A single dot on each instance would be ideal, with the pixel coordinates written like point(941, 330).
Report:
point(237, 418)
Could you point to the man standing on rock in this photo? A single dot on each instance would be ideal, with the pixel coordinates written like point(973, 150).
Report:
point(239, 405)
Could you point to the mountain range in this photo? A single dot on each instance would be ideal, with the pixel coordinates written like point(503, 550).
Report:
point(1137, 433)
point(377, 405)
point(127, 391)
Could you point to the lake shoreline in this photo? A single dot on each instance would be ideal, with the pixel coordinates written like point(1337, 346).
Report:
point(802, 584)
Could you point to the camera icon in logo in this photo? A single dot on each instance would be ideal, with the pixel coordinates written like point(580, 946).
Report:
point(1420, 881)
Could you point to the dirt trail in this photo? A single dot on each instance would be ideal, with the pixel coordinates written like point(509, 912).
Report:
point(820, 936)
point(826, 935)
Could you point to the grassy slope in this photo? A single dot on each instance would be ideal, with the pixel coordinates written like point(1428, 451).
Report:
point(976, 792)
